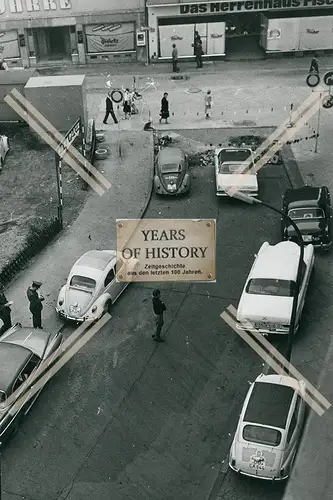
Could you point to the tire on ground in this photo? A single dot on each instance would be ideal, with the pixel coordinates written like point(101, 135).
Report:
point(100, 137)
point(101, 153)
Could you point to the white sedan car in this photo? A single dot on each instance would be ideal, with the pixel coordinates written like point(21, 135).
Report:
point(92, 286)
point(4, 148)
point(229, 174)
point(269, 428)
point(267, 298)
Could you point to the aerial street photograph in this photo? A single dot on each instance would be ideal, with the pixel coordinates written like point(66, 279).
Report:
point(166, 265)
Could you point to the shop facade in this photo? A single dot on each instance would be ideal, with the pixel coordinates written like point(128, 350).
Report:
point(53, 32)
point(230, 28)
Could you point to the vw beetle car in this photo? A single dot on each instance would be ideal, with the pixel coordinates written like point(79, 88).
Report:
point(92, 287)
point(172, 175)
point(22, 350)
point(310, 209)
point(228, 174)
point(4, 148)
point(267, 298)
point(269, 428)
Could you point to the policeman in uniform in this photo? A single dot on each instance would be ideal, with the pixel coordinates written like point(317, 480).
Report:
point(4, 311)
point(36, 305)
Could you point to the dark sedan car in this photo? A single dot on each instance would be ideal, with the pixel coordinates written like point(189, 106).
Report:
point(22, 350)
point(171, 172)
point(310, 208)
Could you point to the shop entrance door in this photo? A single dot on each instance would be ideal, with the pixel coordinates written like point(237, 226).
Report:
point(53, 44)
point(242, 36)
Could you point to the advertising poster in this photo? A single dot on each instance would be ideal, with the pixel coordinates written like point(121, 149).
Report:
point(9, 46)
point(110, 37)
point(151, 250)
point(181, 35)
point(316, 33)
point(216, 38)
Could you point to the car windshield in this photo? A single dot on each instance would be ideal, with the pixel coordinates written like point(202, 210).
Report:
point(306, 213)
point(237, 155)
point(231, 168)
point(262, 435)
point(171, 168)
point(280, 288)
point(83, 282)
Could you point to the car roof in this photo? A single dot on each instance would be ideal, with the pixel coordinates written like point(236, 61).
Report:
point(12, 359)
point(170, 155)
point(270, 402)
point(34, 340)
point(278, 261)
point(306, 196)
point(96, 259)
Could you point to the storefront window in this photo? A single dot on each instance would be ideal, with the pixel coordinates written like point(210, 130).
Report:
point(118, 37)
point(9, 45)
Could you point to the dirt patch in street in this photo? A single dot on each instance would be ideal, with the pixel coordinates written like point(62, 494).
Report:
point(28, 189)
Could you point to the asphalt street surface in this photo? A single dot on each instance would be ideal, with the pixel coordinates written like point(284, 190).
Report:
point(127, 418)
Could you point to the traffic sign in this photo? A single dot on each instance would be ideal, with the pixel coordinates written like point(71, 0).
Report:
point(69, 138)
point(312, 80)
point(328, 78)
point(328, 102)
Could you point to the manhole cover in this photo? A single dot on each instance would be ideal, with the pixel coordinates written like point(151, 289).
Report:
point(193, 90)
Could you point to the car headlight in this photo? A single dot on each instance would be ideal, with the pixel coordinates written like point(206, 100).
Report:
point(94, 309)
point(61, 301)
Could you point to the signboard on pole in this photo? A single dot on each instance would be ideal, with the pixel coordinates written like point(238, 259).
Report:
point(166, 250)
point(70, 137)
point(328, 78)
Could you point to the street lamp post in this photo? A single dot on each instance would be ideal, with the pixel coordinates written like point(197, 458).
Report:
point(249, 199)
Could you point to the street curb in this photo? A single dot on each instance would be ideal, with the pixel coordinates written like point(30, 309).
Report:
point(291, 168)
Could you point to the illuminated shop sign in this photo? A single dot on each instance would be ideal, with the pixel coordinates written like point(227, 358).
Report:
point(246, 5)
point(18, 6)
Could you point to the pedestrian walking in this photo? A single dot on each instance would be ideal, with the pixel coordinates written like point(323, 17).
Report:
point(5, 311)
point(175, 67)
point(109, 109)
point(198, 51)
point(159, 308)
point(314, 66)
point(164, 113)
point(127, 104)
point(208, 103)
point(36, 305)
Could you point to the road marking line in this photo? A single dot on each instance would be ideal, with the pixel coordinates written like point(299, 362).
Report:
point(269, 359)
point(53, 138)
point(284, 362)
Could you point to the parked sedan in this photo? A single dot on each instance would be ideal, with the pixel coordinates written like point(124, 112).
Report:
point(229, 174)
point(4, 148)
point(269, 428)
point(172, 175)
point(22, 350)
point(310, 208)
point(267, 298)
point(92, 287)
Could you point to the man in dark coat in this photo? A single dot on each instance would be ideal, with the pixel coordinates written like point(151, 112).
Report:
point(197, 39)
point(198, 51)
point(109, 109)
point(36, 305)
point(159, 308)
point(175, 68)
point(164, 113)
point(4, 311)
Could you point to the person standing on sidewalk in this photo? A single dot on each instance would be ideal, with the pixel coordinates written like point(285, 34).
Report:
point(197, 39)
point(208, 104)
point(4, 311)
point(127, 104)
point(159, 308)
point(36, 305)
point(198, 52)
point(175, 67)
point(314, 66)
point(164, 113)
point(109, 109)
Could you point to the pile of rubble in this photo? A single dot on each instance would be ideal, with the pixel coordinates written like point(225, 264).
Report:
point(203, 159)
point(251, 141)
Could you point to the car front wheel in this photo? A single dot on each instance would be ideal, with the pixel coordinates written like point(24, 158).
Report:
point(107, 307)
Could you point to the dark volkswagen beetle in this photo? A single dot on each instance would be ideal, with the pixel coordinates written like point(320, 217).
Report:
point(171, 172)
point(310, 208)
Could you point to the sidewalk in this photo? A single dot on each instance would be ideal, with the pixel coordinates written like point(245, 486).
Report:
point(93, 229)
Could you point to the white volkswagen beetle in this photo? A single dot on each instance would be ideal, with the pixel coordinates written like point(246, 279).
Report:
point(92, 287)
point(269, 428)
point(4, 148)
point(267, 298)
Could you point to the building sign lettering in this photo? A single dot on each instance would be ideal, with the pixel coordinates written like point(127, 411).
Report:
point(18, 6)
point(246, 5)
